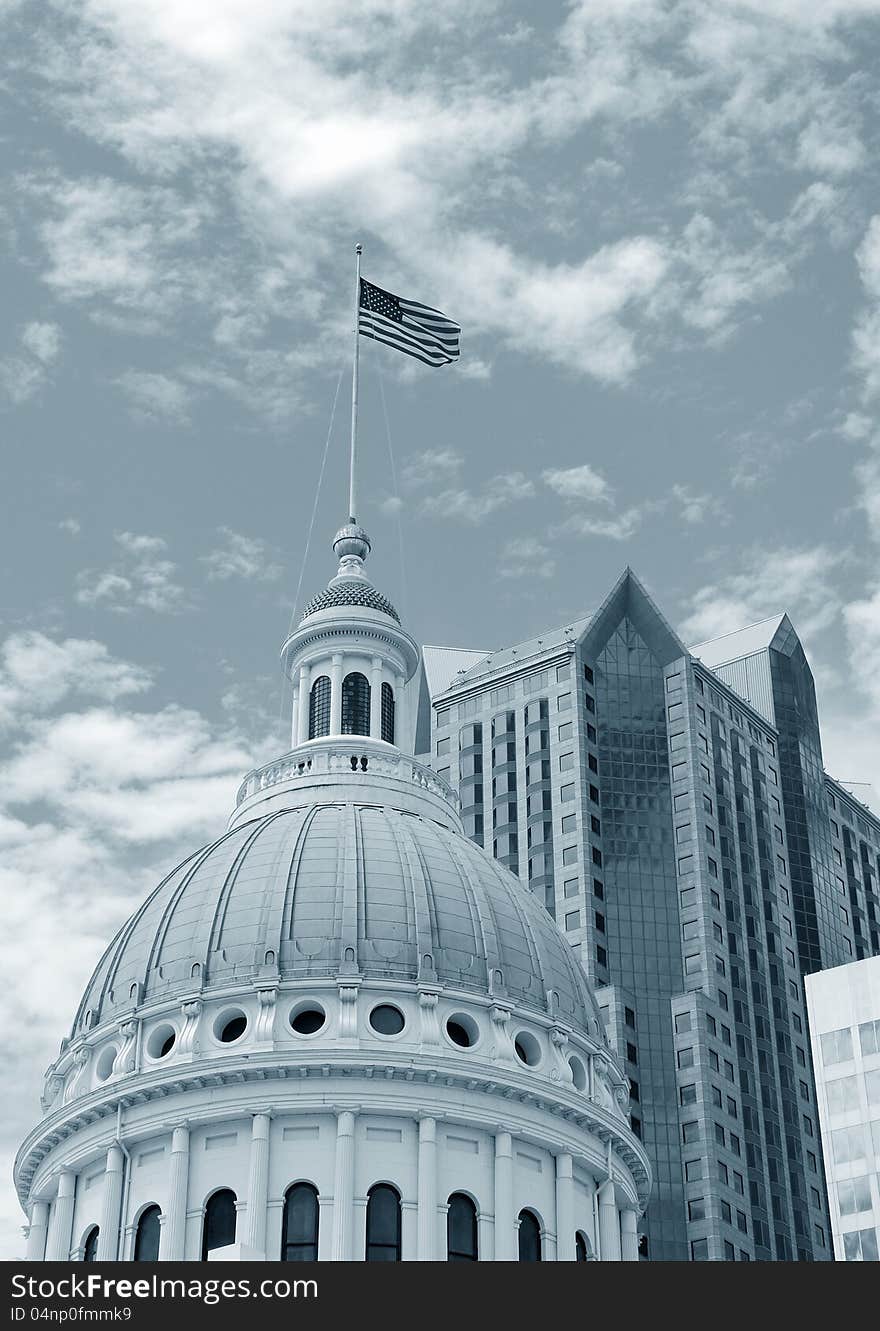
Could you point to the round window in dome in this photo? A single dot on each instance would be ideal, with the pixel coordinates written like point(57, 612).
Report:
point(230, 1026)
point(307, 1018)
point(527, 1049)
point(161, 1040)
point(106, 1059)
point(578, 1074)
point(462, 1030)
point(386, 1019)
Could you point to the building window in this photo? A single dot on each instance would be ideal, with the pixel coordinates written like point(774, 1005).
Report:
point(90, 1247)
point(697, 1209)
point(572, 920)
point(383, 1224)
point(319, 708)
point(854, 1195)
point(299, 1229)
point(218, 1227)
point(601, 956)
point(529, 1237)
point(388, 713)
point(699, 1250)
point(629, 1018)
point(146, 1238)
point(581, 1249)
point(461, 1229)
point(836, 1046)
point(355, 704)
point(632, 1053)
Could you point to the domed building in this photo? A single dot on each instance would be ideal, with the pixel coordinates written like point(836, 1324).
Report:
point(341, 1031)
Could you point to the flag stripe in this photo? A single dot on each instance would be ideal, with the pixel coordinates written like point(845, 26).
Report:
point(410, 351)
point(392, 333)
point(407, 325)
point(404, 332)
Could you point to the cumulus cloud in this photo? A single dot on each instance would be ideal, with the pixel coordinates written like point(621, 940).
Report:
point(241, 557)
point(144, 577)
point(475, 506)
point(767, 582)
point(312, 123)
point(24, 374)
point(525, 557)
point(97, 802)
point(38, 672)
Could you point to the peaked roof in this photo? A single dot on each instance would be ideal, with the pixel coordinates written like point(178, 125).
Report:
point(741, 642)
point(628, 599)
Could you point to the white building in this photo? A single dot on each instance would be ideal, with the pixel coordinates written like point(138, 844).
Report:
point(843, 1005)
point(341, 1031)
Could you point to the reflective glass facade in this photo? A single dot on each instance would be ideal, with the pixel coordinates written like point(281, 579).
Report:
point(684, 840)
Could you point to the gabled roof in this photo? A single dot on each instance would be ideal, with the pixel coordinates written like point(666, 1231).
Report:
point(742, 642)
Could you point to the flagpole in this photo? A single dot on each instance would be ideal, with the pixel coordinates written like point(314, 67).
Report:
point(354, 385)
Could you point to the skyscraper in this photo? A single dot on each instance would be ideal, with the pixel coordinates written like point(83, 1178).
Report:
point(670, 808)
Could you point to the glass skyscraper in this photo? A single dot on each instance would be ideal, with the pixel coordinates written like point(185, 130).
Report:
point(670, 808)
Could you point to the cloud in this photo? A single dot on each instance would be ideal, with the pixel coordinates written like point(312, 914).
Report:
point(469, 506)
point(96, 805)
point(241, 557)
point(42, 340)
point(143, 578)
point(72, 526)
point(866, 334)
point(582, 482)
point(289, 124)
point(525, 558)
point(37, 673)
point(769, 581)
point(24, 375)
point(430, 468)
point(155, 397)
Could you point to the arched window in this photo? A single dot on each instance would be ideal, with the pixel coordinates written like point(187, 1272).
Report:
point(461, 1229)
point(529, 1237)
point(388, 713)
point(218, 1229)
point(581, 1249)
point(383, 1224)
point(90, 1247)
point(319, 708)
point(146, 1238)
point(355, 704)
point(299, 1231)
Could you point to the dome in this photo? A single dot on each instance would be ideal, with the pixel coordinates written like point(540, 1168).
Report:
point(351, 591)
point(341, 888)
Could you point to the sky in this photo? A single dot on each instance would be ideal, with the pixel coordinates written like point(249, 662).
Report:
point(658, 223)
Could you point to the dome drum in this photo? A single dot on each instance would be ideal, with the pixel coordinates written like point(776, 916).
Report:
point(352, 767)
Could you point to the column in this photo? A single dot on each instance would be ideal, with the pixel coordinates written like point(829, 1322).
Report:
point(504, 1230)
point(36, 1239)
point(302, 707)
point(258, 1184)
point(609, 1226)
point(172, 1236)
point(111, 1204)
point(336, 694)
point(565, 1249)
point(400, 715)
point(427, 1195)
point(343, 1187)
point(61, 1226)
point(629, 1237)
point(376, 698)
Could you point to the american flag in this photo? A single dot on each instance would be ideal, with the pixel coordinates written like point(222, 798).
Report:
point(412, 328)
